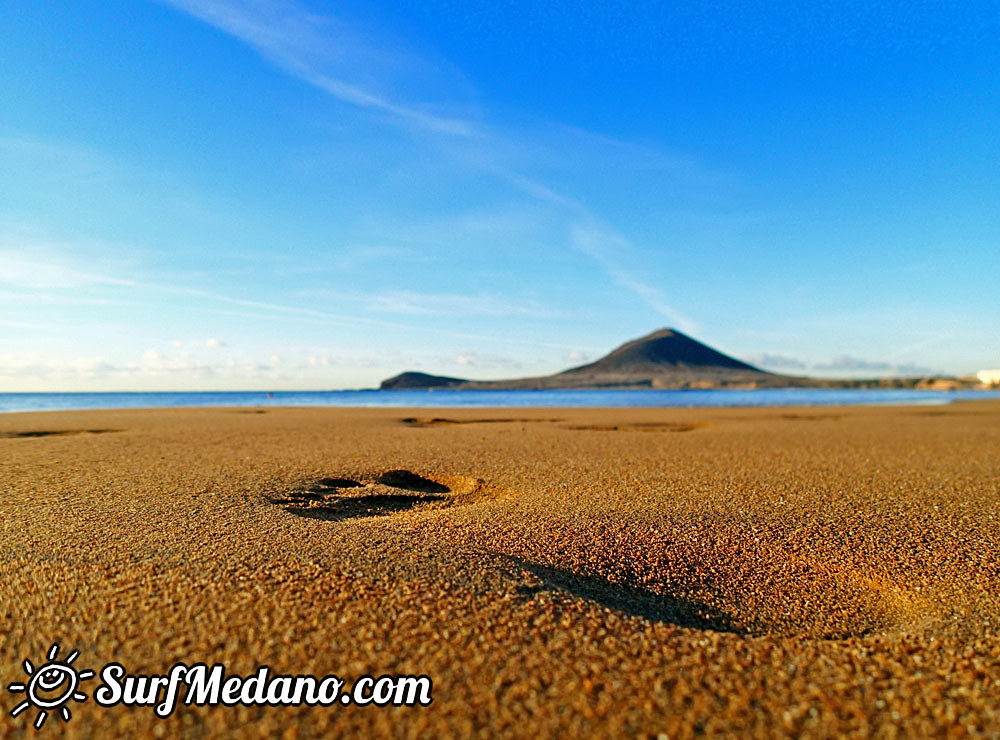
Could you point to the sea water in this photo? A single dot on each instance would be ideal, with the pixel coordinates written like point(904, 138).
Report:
point(444, 398)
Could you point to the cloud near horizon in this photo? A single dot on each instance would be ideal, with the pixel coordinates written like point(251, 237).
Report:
point(847, 362)
point(841, 363)
point(767, 359)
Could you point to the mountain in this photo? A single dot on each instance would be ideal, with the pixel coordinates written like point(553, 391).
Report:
point(664, 359)
point(666, 350)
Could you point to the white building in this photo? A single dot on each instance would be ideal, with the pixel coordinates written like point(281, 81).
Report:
point(989, 377)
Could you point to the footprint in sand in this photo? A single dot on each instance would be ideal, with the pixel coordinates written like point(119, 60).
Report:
point(383, 494)
point(651, 426)
point(53, 433)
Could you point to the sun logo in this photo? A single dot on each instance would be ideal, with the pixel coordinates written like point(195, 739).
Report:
point(50, 686)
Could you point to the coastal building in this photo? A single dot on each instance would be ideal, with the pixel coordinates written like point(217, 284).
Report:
point(989, 377)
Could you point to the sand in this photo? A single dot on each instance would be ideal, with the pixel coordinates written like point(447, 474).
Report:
point(557, 573)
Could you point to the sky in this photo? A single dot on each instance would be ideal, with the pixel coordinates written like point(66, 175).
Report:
point(212, 194)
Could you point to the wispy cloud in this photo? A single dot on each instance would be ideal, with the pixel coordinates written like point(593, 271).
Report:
point(934, 340)
point(308, 46)
point(326, 53)
point(453, 304)
point(600, 244)
point(768, 359)
point(47, 267)
point(32, 261)
point(69, 161)
point(56, 272)
point(840, 363)
point(847, 362)
point(347, 320)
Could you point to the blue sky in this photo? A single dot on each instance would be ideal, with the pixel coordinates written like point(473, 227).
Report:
point(277, 195)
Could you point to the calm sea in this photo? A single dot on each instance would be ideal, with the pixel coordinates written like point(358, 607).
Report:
point(511, 399)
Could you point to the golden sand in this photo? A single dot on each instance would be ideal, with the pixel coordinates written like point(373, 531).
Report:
point(557, 573)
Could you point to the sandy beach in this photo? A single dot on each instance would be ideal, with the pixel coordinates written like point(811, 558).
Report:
point(810, 572)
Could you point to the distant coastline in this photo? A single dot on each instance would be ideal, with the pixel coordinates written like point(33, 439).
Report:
point(667, 359)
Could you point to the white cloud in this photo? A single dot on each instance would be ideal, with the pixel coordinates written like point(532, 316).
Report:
point(31, 366)
point(183, 368)
point(840, 364)
point(847, 362)
point(152, 368)
point(767, 359)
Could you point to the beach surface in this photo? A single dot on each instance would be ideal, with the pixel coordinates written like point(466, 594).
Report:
point(809, 572)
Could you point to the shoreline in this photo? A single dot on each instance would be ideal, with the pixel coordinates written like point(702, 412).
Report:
point(445, 398)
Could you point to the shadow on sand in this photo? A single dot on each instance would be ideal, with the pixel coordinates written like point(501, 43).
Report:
point(639, 602)
point(355, 507)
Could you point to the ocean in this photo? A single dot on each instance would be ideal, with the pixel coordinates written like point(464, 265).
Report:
point(10, 402)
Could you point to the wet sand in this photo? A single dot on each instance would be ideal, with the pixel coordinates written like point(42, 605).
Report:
point(558, 573)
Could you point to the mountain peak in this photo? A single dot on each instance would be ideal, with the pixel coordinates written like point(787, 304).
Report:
point(663, 349)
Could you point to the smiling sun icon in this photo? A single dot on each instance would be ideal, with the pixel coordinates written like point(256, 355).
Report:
point(51, 686)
